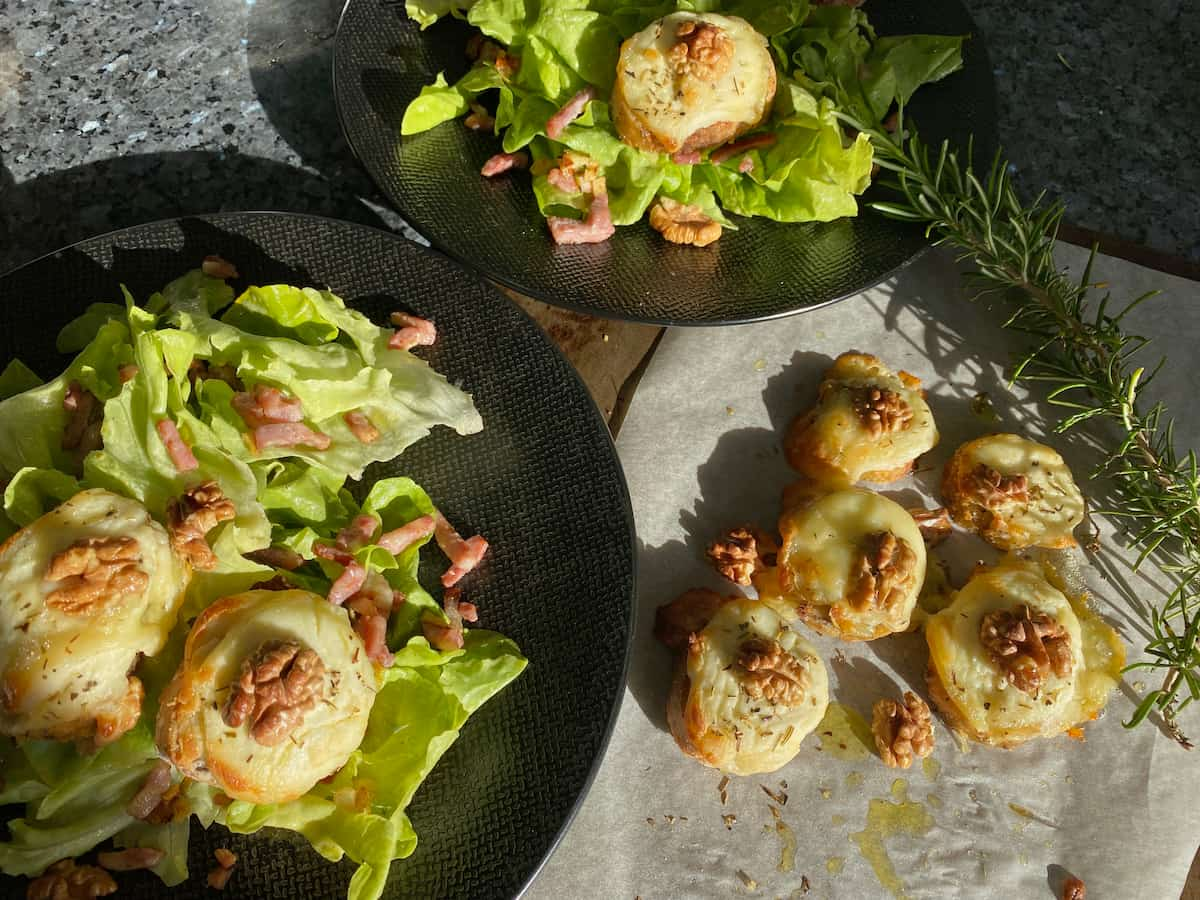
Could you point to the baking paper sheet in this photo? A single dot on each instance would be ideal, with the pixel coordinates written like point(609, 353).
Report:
point(701, 450)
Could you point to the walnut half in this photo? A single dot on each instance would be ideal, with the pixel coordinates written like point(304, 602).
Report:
point(883, 571)
point(1027, 646)
point(94, 570)
point(276, 687)
point(880, 410)
point(66, 881)
point(683, 223)
point(192, 516)
point(702, 51)
point(771, 673)
point(903, 731)
point(741, 552)
point(992, 488)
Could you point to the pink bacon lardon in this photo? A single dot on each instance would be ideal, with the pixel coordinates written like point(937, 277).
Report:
point(361, 427)
point(400, 539)
point(358, 533)
point(180, 453)
point(595, 229)
point(686, 157)
point(571, 110)
point(289, 434)
point(266, 405)
point(563, 179)
point(371, 606)
point(448, 636)
point(411, 331)
point(464, 555)
point(731, 150)
point(348, 583)
point(503, 162)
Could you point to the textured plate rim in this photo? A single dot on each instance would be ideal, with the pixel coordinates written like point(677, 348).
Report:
point(554, 300)
point(577, 380)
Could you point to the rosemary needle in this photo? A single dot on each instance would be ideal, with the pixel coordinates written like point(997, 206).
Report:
point(1081, 352)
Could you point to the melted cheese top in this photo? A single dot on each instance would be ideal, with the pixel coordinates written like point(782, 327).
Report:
point(823, 542)
point(193, 732)
point(841, 439)
point(673, 108)
point(1055, 504)
point(976, 685)
point(750, 735)
point(62, 669)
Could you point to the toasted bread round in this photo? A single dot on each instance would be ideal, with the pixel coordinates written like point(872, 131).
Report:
point(691, 81)
point(193, 729)
point(747, 692)
point(869, 424)
point(1013, 492)
point(68, 645)
point(850, 565)
point(970, 682)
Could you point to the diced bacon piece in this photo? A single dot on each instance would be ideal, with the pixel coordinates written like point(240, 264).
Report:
point(218, 877)
point(733, 148)
point(746, 165)
point(358, 533)
point(375, 597)
point(563, 179)
point(464, 555)
point(373, 631)
point(127, 372)
point(411, 331)
point(289, 434)
point(226, 858)
point(479, 119)
point(151, 792)
point(468, 612)
point(400, 539)
point(442, 637)
point(267, 405)
point(332, 554)
point(130, 859)
point(686, 157)
point(215, 267)
point(348, 583)
point(180, 453)
point(277, 558)
point(595, 229)
point(571, 110)
point(361, 427)
point(502, 162)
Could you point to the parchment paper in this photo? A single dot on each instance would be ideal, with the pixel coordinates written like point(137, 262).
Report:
point(701, 450)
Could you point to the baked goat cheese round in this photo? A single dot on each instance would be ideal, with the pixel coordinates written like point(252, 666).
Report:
point(84, 590)
point(273, 694)
point(690, 81)
point(1014, 492)
point(869, 424)
point(1013, 658)
point(850, 564)
point(747, 692)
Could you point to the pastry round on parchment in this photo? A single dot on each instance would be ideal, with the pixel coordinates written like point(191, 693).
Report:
point(1014, 492)
point(850, 564)
point(69, 643)
point(690, 81)
point(869, 424)
point(1013, 658)
point(747, 692)
point(319, 694)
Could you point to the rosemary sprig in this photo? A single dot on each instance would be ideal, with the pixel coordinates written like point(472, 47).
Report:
point(1080, 351)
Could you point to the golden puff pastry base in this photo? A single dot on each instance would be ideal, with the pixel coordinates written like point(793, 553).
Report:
point(65, 670)
point(655, 110)
point(825, 533)
point(712, 716)
point(192, 733)
point(1047, 517)
point(831, 444)
point(969, 688)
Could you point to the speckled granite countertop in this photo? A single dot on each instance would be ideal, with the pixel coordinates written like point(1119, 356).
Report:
point(114, 112)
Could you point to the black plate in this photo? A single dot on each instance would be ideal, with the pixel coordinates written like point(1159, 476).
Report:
point(542, 482)
point(763, 270)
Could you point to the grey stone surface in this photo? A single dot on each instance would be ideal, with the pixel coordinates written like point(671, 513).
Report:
point(114, 112)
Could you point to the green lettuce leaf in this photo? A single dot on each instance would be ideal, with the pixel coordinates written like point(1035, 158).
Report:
point(438, 102)
point(17, 378)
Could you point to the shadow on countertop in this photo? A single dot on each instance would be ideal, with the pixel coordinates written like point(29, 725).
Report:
point(116, 193)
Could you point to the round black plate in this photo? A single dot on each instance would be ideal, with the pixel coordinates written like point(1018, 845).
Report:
point(763, 270)
point(542, 482)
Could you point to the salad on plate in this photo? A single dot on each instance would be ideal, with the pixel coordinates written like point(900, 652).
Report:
point(687, 112)
point(198, 616)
